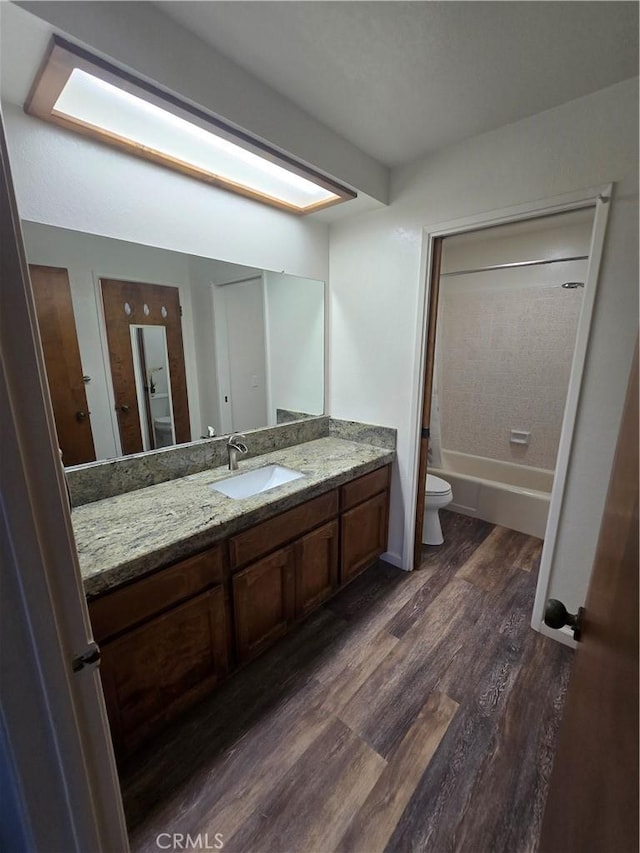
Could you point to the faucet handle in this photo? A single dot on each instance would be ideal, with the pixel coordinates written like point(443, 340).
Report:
point(237, 442)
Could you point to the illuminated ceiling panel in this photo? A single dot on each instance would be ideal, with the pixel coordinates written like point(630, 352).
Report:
point(85, 94)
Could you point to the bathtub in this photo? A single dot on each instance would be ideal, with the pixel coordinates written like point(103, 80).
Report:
point(505, 493)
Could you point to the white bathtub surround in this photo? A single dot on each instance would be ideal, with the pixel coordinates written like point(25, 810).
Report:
point(505, 358)
point(505, 493)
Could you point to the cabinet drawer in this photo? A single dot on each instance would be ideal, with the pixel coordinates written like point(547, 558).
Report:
point(364, 535)
point(265, 537)
point(153, 672)
point(116, 611)
point(364, 487)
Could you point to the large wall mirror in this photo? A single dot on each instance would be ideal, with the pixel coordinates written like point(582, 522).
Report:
point(145, 347)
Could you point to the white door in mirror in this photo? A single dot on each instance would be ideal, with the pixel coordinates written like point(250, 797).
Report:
point(254, 482)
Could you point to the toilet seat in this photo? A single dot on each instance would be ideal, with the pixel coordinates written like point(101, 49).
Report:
point(437, 486)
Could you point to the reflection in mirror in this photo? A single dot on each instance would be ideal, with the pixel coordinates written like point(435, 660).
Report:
point(251, 350)
point(153, 386)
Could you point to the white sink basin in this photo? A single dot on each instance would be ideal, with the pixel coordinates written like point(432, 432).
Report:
point(255, 482)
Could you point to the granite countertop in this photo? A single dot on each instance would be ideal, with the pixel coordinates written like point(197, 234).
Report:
point(128, 535)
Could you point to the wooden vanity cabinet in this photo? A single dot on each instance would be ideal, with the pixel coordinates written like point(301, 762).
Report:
point(154, 671)
point(164, 643)
point(168, 639)
point(272, 592)
point(269, 595)
point(364, 522)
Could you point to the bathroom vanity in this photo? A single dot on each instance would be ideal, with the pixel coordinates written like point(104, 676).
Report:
point(201, 583)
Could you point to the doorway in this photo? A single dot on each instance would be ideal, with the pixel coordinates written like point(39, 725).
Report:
point(129, 306)
point(239, 315)
point(593, 204)
point(66, 378)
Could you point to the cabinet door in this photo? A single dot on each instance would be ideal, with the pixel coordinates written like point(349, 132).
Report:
point(156, 670)
point(263, 600)
point(316, 567)
point(364, 535)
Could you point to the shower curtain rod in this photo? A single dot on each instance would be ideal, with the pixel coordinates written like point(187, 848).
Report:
point(240, 280)
point(516, 264)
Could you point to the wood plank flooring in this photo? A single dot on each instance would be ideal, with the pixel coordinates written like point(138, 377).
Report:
point(413, 712)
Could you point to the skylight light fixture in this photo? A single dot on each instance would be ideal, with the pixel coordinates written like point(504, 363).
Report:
point(90, 96)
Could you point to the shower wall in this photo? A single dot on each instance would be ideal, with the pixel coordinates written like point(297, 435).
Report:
point(507, 359)
point(505, 341)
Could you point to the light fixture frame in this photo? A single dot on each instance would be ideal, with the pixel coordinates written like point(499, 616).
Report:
point(63, 57)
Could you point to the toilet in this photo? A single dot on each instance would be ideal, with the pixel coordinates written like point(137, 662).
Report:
point(438, 495)
point(163, 430)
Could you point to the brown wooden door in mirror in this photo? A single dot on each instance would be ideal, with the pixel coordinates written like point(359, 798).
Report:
point(54, 309)
point(130, 304)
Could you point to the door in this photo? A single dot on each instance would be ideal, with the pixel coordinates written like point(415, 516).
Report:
point(425, 422)
point(56, 322)
point(61, 782)
point(244, 305)
point(127, 304)
point(593, 796)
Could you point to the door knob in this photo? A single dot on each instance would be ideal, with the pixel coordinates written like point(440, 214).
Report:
point(81, 416)
point(124, 409)
point(556, 616)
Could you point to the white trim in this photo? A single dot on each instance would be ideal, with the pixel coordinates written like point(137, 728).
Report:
point(590, 197)
point(221, 345)
point(271, 415)
point(561, 635)
point(393, 558)
point(571, 407)
point(106, 363)
point(326, 344)
point(145, 426)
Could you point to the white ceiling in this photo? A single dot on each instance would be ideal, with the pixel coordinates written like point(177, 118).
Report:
point(400, 79)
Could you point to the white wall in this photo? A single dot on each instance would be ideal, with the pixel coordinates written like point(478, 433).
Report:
point(294, 317)
point(375, 275)
point(66, 180)
point(89, 258)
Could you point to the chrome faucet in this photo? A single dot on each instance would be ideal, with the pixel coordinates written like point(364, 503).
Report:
point(235, 445)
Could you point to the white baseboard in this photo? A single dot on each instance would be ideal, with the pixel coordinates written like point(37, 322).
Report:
point(394, 559)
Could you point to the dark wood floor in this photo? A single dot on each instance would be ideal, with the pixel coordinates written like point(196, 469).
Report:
point(414, 712)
